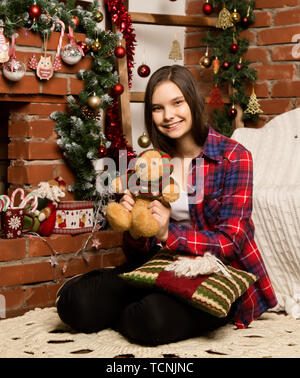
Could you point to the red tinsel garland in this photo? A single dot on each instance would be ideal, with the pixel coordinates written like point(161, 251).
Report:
point(121, 18)
point(113, 128)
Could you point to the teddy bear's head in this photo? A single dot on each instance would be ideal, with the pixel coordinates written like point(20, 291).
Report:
point(152, 165)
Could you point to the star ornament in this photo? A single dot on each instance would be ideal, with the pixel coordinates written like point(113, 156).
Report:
point(96, 244)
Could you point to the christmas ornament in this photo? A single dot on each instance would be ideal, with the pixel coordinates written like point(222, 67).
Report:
point(216, 65)
point(215, 99)
point(94, 101)
point(98, 16)
point(144, 141)
point(96, 243)
point(175, 53)
point(239, 65)
point(207, 8)
point(34, 11)
point(14, 70)
point(245, 20)
point(71, 54)
point(224, 19)
point(84, 46)
point(96, 45)
point(118, 89)
point(234, 48)
point(120, 52)
point(232, 112)
point(89, 113)
point(143, 70)
point(253, 106)
point(102, 152)
point(75, 21)
point(122, 20)
point(225, 65)
point(205, 61)
point(45, 68)
point(235, 16)
point(4, 47)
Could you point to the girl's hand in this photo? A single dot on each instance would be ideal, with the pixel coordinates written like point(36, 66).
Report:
point(127, 201)
point(161, 212)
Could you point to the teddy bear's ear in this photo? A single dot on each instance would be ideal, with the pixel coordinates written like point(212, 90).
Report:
point(166, 161)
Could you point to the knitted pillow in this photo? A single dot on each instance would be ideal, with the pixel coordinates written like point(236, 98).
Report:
point(213, 293)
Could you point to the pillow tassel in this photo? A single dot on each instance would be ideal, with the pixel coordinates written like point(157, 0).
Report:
point(201, 265)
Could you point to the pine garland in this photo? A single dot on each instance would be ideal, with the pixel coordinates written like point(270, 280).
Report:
point(80, 130)
point(219, 42)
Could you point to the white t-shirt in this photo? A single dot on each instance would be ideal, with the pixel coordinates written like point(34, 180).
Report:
point(180, 208)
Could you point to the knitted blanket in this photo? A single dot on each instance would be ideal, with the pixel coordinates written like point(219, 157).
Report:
point(275, 150)
point(41, 334)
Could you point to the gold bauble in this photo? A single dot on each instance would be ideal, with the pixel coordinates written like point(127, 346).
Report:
point(144, 141)
point(96, 46)
point(98, 16)
point(235, 16)
point(94, 101)
point(205, 61)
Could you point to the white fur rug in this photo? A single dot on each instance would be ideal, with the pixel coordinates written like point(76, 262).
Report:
point(40, 333)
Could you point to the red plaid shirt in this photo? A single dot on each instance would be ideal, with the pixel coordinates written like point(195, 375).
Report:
point(221, 221)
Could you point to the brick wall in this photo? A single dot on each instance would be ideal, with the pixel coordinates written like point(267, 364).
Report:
point(28, 147)
point(27, 278)
point(270, 51)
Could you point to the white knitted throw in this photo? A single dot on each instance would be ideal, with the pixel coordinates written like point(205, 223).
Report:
point(276, 202)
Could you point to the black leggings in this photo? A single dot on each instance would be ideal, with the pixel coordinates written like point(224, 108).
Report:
point(100, 299)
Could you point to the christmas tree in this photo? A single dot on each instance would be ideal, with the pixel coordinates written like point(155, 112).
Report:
point(228, 48)
point(80, 130)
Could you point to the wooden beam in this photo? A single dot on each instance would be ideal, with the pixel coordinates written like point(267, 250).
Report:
point(137, 96)
point(175, 20)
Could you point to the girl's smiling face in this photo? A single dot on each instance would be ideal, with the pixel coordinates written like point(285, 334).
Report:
point(170, 111)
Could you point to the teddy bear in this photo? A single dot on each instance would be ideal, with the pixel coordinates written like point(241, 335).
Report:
point(150, 180)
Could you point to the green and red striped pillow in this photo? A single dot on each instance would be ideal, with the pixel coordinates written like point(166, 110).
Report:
point(212, 293)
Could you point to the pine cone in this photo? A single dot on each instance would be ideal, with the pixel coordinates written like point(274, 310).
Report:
point(89, 113)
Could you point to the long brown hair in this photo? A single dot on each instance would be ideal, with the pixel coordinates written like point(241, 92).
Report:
point(185, 81)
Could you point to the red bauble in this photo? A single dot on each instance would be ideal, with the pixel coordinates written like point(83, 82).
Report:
point(245, 22)
point(120, 52)
point(34, 11)
point(239, 66)
point(84, 46)
point(102, 152)
point(144, 70)
point(232, 112)
point(75, 20)
point(118, 89)
point(207, 9)
point(225, 65)
point(234, 47)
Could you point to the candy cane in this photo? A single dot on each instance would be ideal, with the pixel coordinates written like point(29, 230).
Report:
point(5, 201)
point(13, 52)
point(12, 200)
point(30, 198)
point(72, 40)
point(62, 32)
